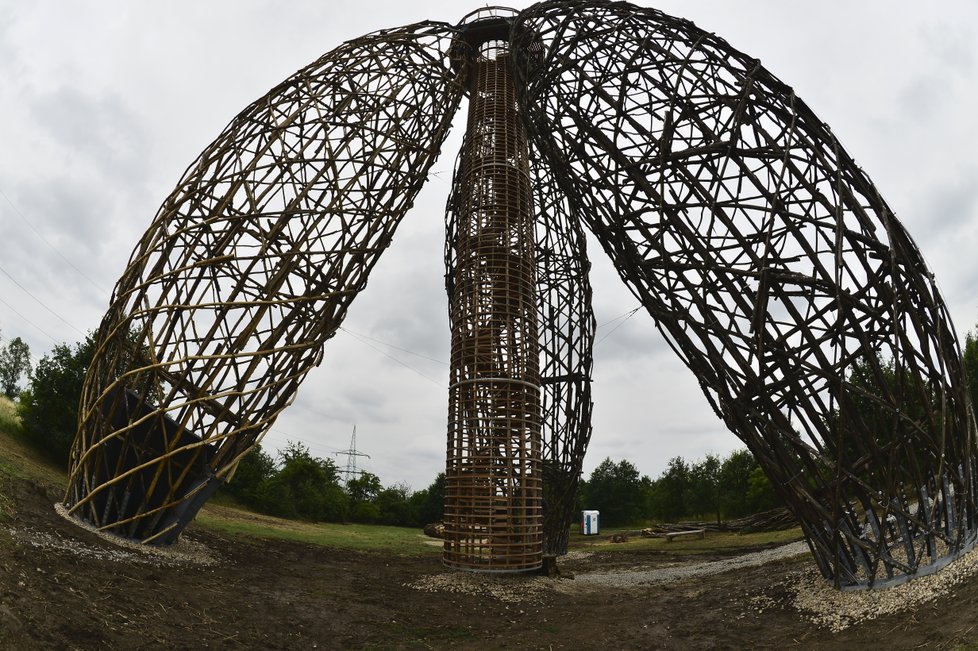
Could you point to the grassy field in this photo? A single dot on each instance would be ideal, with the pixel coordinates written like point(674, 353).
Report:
point(362, 537)
point(714, 542)
point(20, 462)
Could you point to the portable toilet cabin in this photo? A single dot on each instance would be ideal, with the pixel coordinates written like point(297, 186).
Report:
point(589, 523)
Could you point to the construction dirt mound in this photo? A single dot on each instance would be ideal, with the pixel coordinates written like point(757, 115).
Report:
point(64, 587)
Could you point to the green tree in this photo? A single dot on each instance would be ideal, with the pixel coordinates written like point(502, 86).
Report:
point(304, 487)
point(364, 487)
point(883, 408)
point(49, 407)
point(255, 468)
point(760, 492)
point(702, 495)
point(395, 507)
point(430, 502)
point(669, 490)
point(615, 489)
point(15, 362)
point(363, 490)
point(734, 483)
point(970, 359)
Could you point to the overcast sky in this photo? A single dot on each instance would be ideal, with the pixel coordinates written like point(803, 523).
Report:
point(104, 104)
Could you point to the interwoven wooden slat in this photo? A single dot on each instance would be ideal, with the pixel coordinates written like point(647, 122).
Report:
point(566, 326)
point(765, 255)
point(493, 478)
point(249, 267)
point(774, 269)
point(565, 323)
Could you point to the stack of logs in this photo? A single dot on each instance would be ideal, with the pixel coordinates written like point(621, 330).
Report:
point(773, 520)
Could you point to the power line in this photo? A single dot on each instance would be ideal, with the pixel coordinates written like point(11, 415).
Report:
point(40, 302)
point(45, 240)
point(35, 326)
point(624, 315)
point(389, 345)
point(612, 331)
point(386, 354)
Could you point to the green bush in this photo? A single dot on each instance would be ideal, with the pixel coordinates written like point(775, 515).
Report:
point(429, 503)
point(49, 406)
point(616, 489)
point(255, 468)
point(305, 487)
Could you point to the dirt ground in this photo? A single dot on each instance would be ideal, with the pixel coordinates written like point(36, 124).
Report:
point(63, 588)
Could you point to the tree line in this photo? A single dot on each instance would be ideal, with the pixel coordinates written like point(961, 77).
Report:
point(300, 486)
point(295, 484)
point(709, 489)
point(292, 484)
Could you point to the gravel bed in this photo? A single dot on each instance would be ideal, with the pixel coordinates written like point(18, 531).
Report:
point(836, 610)
point(509, 589)
point(811, 594)
point(182, 552)
point(530, 589)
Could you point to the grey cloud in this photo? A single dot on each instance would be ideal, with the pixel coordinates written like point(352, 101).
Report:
point(952, 44)
point(358, 399)
point(946, 210)
point(179, 77)
point(67, 213)
point(632, 341)
point(101, 131)
point(924, 97)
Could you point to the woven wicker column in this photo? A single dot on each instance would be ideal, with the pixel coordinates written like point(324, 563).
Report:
point(493, 517)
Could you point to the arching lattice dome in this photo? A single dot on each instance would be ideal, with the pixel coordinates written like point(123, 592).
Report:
point(765, 256)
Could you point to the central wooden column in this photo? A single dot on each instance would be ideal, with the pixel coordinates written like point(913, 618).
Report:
point(493, 491)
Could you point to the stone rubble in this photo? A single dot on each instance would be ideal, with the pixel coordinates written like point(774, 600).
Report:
point(509, 589)
point(835, 610)
point(529, 588)
point(183, 552)
point(809, 592)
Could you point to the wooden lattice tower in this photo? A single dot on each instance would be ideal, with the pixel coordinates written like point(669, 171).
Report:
point(493, 479)
point(766, 257)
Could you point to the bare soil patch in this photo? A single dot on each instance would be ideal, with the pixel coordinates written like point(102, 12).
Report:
point(64, 587)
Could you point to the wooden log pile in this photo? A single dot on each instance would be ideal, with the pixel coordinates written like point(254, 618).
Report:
point(773, 520)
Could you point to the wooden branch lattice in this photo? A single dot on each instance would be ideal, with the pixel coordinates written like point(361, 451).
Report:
point(766, 257)
point(493, 478)
point(249, 267)
point(774, 269)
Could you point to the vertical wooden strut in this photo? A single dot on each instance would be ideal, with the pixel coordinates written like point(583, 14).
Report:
point(493, 502)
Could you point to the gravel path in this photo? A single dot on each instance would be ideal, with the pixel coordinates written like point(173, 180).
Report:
point(634, 577)
point(530, 588)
